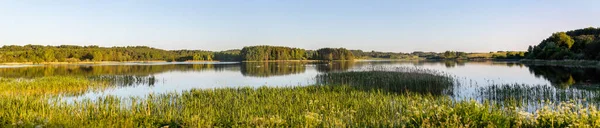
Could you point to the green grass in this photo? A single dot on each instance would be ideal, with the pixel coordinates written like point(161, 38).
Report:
point(49, 86)
point(336, 105)
point(395, 81)
point(532, 94)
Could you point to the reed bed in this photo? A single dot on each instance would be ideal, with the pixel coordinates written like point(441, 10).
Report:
point(535, 93)
point(125, 80)
point(339, 105)
point(314, 106)
point(398, 80)
point(535, 97)
point(68, 86)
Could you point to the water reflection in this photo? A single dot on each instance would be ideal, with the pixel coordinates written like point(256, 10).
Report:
point(96, 70)
point(476, 79)
point(267, 69)
point(126, 80)
point(564, 77)
point(533, 93)
point(335, 66)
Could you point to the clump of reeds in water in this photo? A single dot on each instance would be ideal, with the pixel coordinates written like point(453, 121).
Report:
point(125, 80)
point(397, 79)
point(312, 106)
point(535, 95)
point(49, 86)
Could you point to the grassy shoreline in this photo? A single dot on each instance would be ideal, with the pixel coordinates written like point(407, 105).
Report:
point(344, 101)
point(314, 106)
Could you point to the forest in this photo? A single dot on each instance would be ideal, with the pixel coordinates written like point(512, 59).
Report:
point(333, 54)
point(360, 54)
point(580, 44)
point(71, 53)
point(265, 53)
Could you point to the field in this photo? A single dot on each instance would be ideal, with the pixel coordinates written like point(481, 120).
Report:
point(342, 100)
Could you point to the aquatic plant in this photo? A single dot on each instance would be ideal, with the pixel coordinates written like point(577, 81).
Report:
point(374, 99)
point(396, 80)
point(313, 106)
point(49, 86)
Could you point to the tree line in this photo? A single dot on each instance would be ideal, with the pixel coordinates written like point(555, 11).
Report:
point(333, 54)
point(266, 53)
point(580, 44)
point(359, 54)
point(71, 53)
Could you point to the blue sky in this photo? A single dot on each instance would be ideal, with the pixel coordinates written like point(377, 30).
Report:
point(382, 25)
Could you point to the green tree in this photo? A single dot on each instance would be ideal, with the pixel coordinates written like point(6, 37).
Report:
point(97, 56)
point(562, 39)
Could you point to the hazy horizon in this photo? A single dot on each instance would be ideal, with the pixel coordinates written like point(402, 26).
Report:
point(389, 26)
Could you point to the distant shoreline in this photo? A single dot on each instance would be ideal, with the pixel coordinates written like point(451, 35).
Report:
point(89, 62)
point(157, 61)
point(569, 63)
point(284, 61)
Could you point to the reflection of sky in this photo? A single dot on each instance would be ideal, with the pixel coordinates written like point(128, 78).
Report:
point(470, 75)
point(178, 81)
point(16, 66)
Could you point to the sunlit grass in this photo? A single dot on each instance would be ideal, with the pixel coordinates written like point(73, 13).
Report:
point(49, 85)
point(420, 81)
point(319, 106)
point(339, 105)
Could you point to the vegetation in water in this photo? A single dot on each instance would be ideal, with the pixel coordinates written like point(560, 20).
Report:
point(393, 81)
point(535, 94)
point(68, 86)
point(371, 98)
point(312, 106)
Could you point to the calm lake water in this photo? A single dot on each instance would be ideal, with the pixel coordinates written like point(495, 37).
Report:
point(474, 80)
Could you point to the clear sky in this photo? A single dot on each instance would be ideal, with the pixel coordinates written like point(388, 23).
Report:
point(382, 25)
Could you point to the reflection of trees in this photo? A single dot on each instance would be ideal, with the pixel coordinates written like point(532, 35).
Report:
point(454, 63)
point(86, 70)
point(126, 80)
point(532, 93)
point(511, 64)
point(266, 69)
point(566, 76)
point(335, 66)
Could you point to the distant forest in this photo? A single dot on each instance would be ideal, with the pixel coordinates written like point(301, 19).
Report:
point(580, 44)
point(71, 53)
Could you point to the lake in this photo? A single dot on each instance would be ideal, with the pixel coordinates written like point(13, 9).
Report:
point(479, 80)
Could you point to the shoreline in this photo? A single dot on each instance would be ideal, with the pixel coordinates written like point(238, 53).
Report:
point(567, 63)
point(283, 61)
point(553, 62)
point(90, 62)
